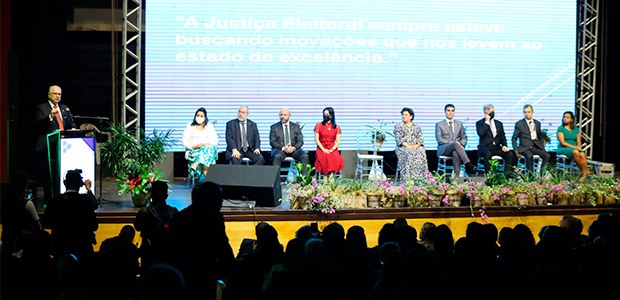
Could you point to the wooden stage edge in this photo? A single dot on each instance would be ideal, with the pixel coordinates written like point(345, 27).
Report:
point(240, 224)
point(264, 214)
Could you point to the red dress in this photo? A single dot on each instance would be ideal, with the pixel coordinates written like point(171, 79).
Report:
point(332, 162)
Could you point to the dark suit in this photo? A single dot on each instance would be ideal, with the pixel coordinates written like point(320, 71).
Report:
point(528, 147)
point(45, 126)
point(490, 145)
point(233, 141)
point(276, 140)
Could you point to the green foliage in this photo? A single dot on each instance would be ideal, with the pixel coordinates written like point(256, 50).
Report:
point(495, 176)
point(302, 179)
point(132, 160)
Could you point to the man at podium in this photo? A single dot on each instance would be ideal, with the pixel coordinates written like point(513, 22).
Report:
point(50, 116)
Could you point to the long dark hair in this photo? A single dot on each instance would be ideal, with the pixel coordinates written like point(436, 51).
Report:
point(203, 110)
point(572, 117)
point(332, 114)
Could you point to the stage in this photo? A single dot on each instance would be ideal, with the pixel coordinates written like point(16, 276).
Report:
point(117, 210)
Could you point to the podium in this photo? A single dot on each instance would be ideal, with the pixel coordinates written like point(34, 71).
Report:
point(70, 150)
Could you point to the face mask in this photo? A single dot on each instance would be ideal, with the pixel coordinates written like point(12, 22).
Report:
point(326, 118)
point(492, 114)
point(200, 120)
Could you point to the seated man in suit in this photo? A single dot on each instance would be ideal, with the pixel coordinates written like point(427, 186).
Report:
point(529, 134)
point(493, 141)
point(286, 140)
point(242, 139)
point(451, 141)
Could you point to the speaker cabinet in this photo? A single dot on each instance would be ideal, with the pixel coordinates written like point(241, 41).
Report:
point(248, 182)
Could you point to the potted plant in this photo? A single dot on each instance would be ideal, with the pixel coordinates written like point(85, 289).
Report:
point(378, 134)
point(132, 159)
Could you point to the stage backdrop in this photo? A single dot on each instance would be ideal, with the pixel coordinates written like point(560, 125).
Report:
point(367, 59)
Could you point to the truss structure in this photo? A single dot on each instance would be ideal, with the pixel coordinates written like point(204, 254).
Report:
point(587, 44)
point(132, 64)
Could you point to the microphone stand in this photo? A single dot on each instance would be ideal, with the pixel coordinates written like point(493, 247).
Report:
point(100, 200)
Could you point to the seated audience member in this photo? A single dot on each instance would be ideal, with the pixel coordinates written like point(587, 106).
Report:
point(154, 223)
point(72, 220)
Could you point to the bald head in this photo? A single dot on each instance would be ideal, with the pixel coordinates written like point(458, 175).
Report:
point(285, 115)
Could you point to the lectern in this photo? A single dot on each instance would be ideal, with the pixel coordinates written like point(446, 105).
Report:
point(70, 150)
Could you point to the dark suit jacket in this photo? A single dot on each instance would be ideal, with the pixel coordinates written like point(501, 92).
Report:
point(46, 126)
point(486, 135)
point(522, 133)
point(276, 136)
point(233, 136)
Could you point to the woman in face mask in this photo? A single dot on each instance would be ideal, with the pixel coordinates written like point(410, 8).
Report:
point(200, 140)
point(327, 138)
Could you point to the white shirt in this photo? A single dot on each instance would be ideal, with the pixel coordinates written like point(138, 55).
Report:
point(192, 136)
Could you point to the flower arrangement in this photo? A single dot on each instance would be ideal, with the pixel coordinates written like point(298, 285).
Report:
point(139, 183)
point(307, 193)
point(131, 155)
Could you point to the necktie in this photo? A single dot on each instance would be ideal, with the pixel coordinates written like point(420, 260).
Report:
point(287, 139)
point(533, 130)
point(493, 129)
point(244, 137)
point(451, 126)
point(61, 126)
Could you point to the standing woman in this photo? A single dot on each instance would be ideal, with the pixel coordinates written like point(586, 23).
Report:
point(327, 138)
point(569, 138)
point(200, 140)
point(410, 146)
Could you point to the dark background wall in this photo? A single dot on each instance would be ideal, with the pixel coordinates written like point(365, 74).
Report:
point(54, 42)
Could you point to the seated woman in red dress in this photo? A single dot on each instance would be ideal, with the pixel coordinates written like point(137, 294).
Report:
point(327, 138)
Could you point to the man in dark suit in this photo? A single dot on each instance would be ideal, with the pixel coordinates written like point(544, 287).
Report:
point(286, 140)
point(493, 140)
point(451, 141)
point(242, 139)
point(529, 134)
point(49, 117)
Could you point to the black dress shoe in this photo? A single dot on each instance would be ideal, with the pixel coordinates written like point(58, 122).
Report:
point(471, 169)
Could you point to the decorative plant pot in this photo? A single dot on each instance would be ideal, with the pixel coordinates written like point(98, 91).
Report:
point(373, 201)
point(508, 199)
point(434, 200)
point(561, 198)
point(140, 200)
point(523, 198)
point(398, 201)
point(541, 200)
point(455, 199)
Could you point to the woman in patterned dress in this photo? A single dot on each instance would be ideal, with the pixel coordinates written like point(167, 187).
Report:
point(200, 140)
point(410, 147)
point(327, 138)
